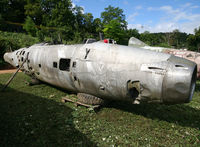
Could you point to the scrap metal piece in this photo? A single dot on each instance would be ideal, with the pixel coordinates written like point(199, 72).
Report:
point(89, 99)
point(77, 103)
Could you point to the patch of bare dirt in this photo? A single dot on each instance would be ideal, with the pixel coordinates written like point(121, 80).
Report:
point(8, 71)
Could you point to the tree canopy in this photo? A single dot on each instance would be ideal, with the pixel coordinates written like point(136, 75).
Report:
point(112, 13)
point(194, 40)
point(58, 21)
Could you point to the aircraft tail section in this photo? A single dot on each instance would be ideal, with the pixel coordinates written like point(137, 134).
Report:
point(136, 42)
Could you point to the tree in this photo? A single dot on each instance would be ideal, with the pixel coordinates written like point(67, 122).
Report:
point(112, 13)
point(98, 25)
point(30, 27)
point(145, 37)
point(132, 33)
point(12, 11)
point(55, 18)
point(194, 40)
point(115, 25)
point(1, 22)
point(34, 10)
point(88, 24)
point(113, 30)
point(179, 39)
point(78, 12)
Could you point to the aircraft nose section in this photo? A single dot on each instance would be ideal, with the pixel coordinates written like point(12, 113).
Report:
point(7, 57)
point(179, 82)
point(10, 58)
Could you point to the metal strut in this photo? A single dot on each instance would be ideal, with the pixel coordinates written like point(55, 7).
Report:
point(12, 77)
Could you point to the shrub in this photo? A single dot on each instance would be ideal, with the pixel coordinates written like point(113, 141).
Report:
point(13, 41)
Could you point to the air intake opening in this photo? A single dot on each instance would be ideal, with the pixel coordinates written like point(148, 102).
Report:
point(155, 68)
point(179, 66)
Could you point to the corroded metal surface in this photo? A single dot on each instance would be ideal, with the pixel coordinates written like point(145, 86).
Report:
point(110, 71)
point(189, 55)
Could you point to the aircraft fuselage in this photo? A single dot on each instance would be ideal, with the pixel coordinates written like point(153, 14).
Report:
point(110, 71)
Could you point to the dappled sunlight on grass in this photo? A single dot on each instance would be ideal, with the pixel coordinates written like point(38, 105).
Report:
point(35, 116)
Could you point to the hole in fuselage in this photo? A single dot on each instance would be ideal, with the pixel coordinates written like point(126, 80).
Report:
point(179, 66)
point(74, 64)
point(55, 64)
point(133, 88)
point(75, 78)
point(64, 64)
point(155, 68)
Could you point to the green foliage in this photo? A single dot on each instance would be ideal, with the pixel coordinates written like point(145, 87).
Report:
point(20, 39)
point(151, 38)
point(34, 10)
point(194, 40)
point(1, 21)
point(179, 39)
point(12, 10)
point(98, 25)
point(115, 25)
point(174, 39)
point(112, 13)
point(13, 41)
point(30, 27)
point(163, 45)
point(114, 31)
point(133, 33)
point(59, 22)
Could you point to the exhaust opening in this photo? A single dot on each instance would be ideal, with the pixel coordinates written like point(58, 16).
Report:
point(193, 84)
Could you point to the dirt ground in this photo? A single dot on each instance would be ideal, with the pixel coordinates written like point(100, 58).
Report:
point(8, 71)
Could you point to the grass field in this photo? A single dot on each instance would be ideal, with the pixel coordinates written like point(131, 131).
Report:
point(35, 116)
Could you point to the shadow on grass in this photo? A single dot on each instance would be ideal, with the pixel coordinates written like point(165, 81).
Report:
point(197, 89)
point(181, 114)
point(26, 119)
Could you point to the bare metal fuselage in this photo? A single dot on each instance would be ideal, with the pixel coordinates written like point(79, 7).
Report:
point(189, 55)
point(110, 71)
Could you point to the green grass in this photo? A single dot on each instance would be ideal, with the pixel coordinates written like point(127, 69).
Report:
point(35, 116)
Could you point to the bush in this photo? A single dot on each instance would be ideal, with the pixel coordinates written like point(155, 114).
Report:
point(164, 45)
point(13, 41)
